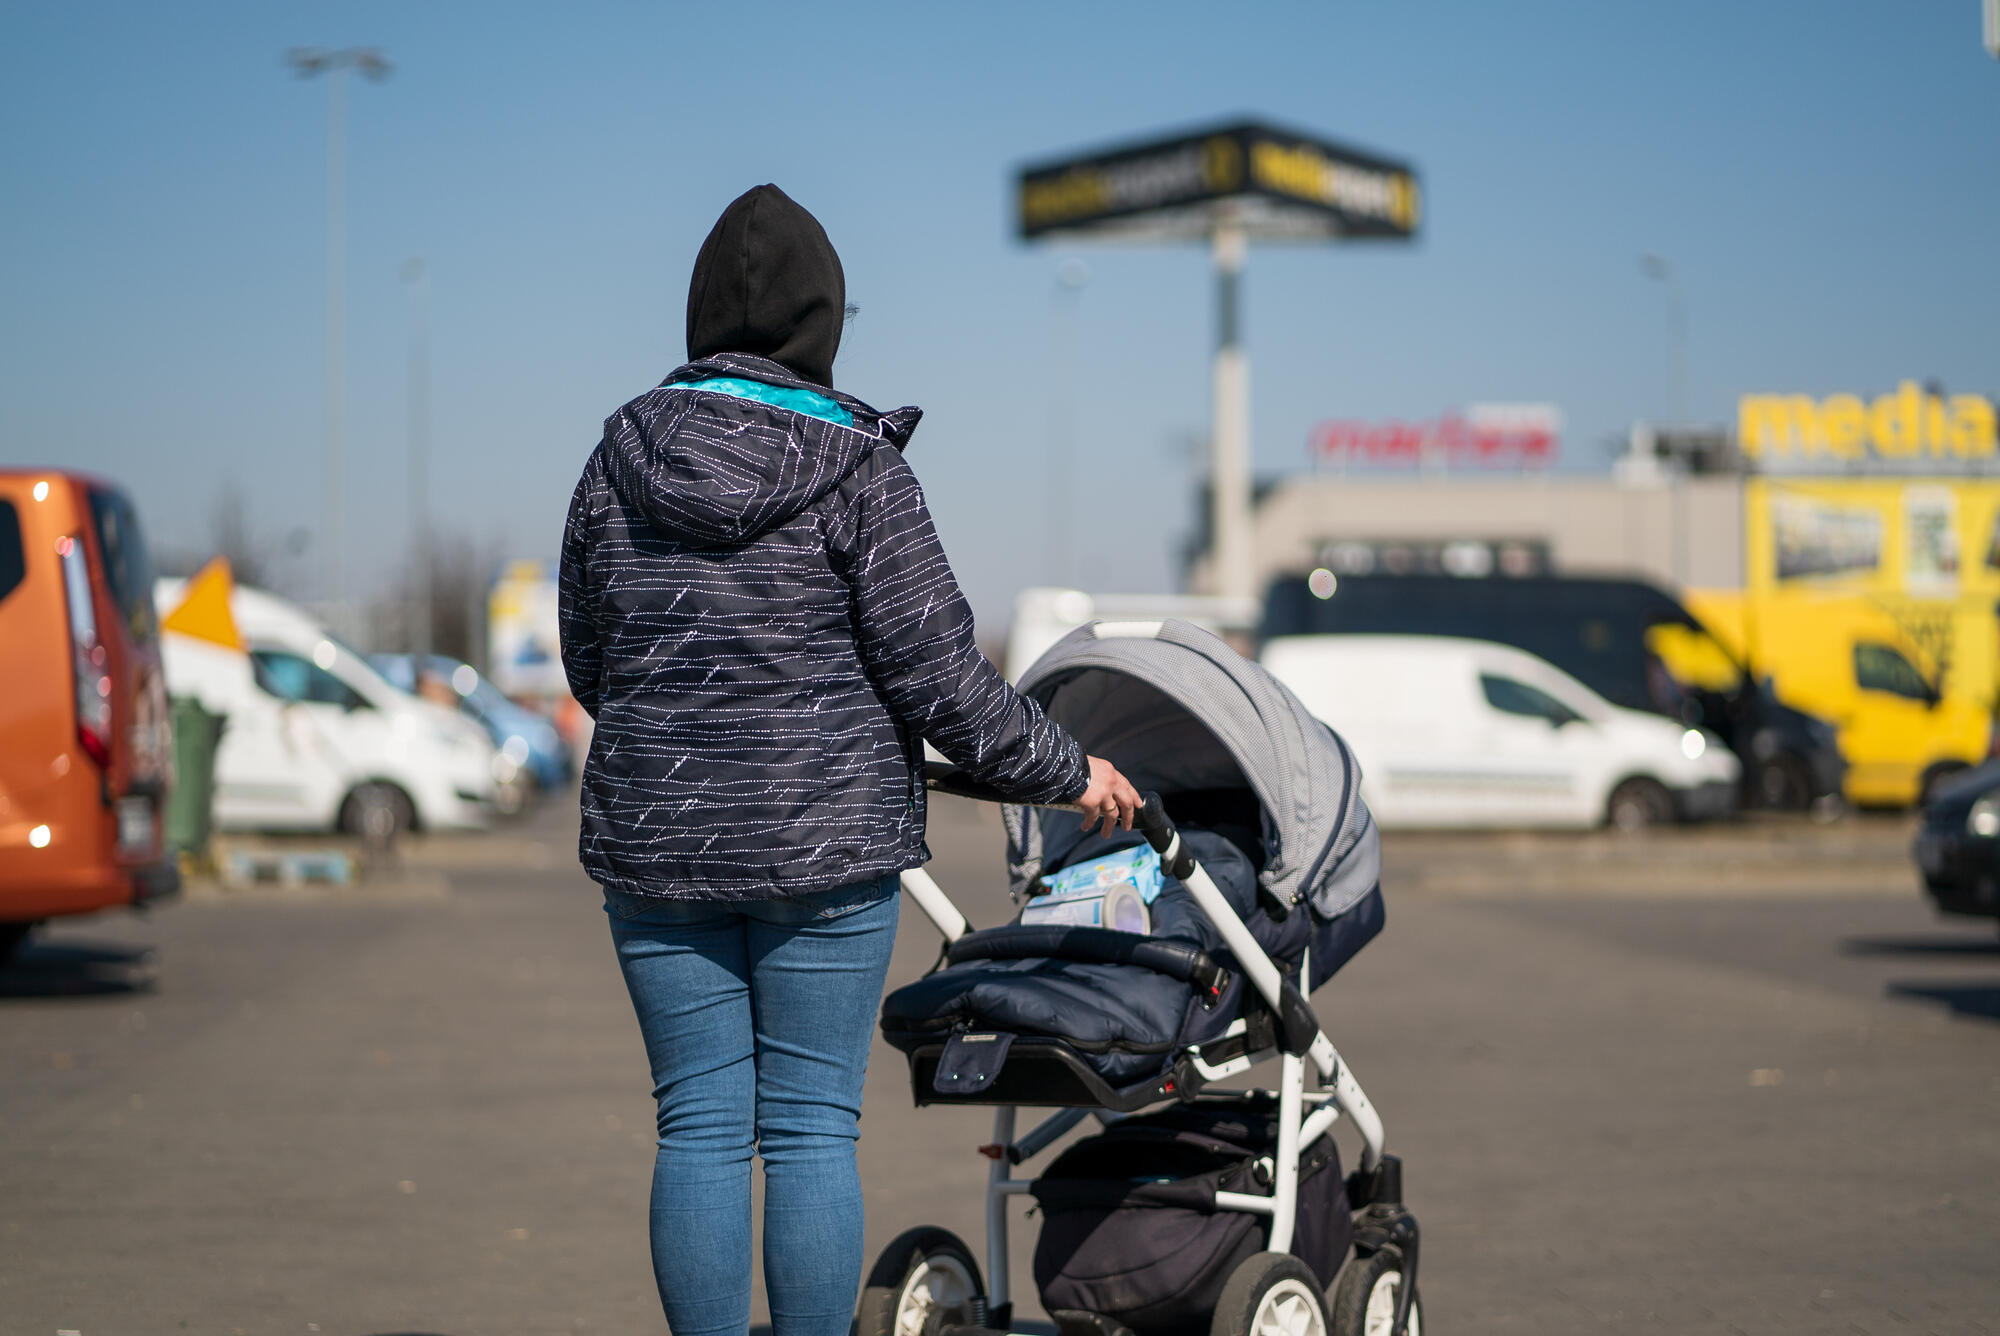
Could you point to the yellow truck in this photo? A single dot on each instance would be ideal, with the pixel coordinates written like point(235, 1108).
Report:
point(1911, 689)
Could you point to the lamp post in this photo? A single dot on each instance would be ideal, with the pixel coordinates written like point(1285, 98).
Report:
point(417, 279)
point(1071, 275)
point(1656, 266)
point(308, 62)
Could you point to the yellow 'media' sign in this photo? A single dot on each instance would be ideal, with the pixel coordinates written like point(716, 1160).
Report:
point(1909, 426)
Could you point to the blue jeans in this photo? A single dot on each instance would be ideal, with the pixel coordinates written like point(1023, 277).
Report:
point(757, 1017)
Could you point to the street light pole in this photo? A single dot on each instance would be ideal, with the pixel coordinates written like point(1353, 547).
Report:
point(308, 62)
point(417, 279)
point(1071, 275)
point(1656, 266)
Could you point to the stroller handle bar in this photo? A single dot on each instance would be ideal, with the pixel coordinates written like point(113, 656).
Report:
point(1150, 820)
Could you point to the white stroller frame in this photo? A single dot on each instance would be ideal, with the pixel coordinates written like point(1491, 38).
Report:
point(1303, 1116)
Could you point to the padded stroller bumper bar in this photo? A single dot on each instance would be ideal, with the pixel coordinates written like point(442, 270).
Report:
point(1094, 946)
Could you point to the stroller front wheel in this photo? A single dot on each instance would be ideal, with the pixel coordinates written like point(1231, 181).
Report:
point(1365, 1295)
point(923, 1282)
point(1270, 1294)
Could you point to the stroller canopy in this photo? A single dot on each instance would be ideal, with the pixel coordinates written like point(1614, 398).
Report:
point(1177, 710)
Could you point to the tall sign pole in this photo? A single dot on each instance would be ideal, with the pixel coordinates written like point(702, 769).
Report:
point(308, 62)
point(334, 485)
point(1227, 186)
point(1229, 434)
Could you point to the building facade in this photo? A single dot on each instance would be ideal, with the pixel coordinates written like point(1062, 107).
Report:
point(1676, 530)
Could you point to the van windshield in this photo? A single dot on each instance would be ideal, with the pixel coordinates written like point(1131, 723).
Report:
point(296, 679)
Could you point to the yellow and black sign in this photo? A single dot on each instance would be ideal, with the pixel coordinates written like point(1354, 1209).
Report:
point(1276, 183)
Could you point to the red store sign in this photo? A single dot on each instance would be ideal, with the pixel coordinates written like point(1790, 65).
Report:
point(1483, 436)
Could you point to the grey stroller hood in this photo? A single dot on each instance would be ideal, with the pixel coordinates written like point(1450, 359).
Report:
point(1177, 710)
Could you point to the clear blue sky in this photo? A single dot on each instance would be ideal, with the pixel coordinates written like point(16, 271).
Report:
point(1825, 177)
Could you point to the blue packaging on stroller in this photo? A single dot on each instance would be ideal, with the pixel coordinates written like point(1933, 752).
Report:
point(1268, 869)
point(1110, 891)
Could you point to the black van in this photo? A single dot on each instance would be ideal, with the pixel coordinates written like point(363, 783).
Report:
point(1592, 629)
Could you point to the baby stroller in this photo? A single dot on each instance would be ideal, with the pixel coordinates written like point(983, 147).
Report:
point(1193, 1211)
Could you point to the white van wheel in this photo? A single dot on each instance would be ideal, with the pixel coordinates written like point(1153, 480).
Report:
point(1639, 803)
point(378, 812)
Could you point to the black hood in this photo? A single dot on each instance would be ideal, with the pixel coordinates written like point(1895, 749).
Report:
point(767, 282)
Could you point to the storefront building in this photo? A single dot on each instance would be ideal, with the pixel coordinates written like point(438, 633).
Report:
point(1894, 500)
point(1893, 497)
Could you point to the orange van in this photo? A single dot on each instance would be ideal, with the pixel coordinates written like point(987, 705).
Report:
point(86, 748)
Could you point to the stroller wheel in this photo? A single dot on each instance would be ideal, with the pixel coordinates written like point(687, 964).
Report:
point(922, 1283)
point(1364, 1298)
point(1270, 1294)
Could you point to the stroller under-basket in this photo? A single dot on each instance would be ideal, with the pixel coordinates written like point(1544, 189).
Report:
point(1194, 1210)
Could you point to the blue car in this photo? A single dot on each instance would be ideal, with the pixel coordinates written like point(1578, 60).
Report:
point(522, 736)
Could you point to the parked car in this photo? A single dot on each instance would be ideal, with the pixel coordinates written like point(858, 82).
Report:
point(1631, 642)
point(86, 747)
point(525, 739)
point(316, 740)
point(1958, 845)
point(1454, 732)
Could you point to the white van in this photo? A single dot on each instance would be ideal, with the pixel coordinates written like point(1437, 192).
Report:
point(1456, 732)
point(316, 740)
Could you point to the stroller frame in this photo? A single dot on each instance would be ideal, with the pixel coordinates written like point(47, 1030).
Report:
point(1304, 1116)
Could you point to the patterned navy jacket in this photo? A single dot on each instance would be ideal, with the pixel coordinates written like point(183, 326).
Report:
point(758, 614)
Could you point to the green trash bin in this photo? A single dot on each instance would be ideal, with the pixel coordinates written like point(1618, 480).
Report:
point(197, 731)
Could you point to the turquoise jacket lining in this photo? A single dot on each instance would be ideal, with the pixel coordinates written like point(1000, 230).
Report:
point(778, 396)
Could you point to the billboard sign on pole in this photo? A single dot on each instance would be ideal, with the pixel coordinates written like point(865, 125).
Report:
point(1276, 184)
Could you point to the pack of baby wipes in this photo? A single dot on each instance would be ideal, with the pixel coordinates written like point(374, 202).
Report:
point(1112, 891)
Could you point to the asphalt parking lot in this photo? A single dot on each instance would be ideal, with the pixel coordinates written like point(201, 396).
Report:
point(1733, 1081)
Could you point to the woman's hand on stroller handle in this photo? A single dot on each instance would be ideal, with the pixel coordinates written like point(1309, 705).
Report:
point(1099, 802)
point(1110, 798)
